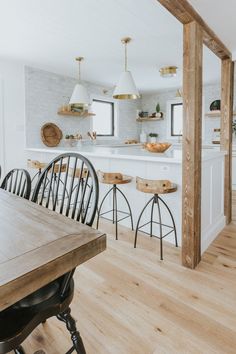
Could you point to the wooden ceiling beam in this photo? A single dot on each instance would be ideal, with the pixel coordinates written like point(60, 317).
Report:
point(185, 13)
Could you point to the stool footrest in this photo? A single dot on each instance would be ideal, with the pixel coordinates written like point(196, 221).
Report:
point(148, 233)
point(118, 211)
point(155, 222)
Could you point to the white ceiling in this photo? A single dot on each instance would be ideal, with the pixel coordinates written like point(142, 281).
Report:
point(220, 16)
point(49, 34)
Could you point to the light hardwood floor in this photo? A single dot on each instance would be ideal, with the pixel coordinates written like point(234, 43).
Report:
point(128, 302)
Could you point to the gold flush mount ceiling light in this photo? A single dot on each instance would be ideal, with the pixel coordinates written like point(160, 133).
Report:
point(80, 96)
point(168, 71)
point(126, 88)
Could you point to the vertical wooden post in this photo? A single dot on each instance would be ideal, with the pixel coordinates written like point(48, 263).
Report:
point(192, 141)
point(227, 83)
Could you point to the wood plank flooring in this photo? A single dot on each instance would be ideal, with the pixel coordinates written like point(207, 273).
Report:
point(234, 206)
point(128, 302)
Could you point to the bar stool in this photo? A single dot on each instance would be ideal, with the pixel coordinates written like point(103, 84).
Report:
point(114, 179)
point(35, 164)
point(39, 166)
point(82, 177)
point(156, 187)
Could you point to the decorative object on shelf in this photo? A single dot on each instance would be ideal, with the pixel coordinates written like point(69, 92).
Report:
point(158, 113)
point(216, 136)
point(51, 134)
point(80, 96)
point(153, 137)
point(143, 114)
point(93, 136)
point(158, 108)
point(126, 88)
point(72, 140)
point(131, 141)
point(215, 105)
point(168, 71)
point(157, 147)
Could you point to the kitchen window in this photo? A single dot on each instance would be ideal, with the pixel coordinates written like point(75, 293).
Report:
point(176, 119)
point(103, 121)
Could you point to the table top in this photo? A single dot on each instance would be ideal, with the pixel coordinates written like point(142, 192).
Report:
point(38, 245)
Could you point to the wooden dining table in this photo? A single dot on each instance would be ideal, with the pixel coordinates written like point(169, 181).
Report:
point(38, 245)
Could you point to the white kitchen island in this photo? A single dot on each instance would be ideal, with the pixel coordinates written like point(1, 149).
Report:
point(135, 161)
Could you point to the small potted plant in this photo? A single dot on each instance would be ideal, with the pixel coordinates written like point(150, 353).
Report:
point(159, 114)
point(153, 137)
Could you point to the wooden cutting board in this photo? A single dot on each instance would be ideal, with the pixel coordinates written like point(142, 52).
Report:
point(51, 134)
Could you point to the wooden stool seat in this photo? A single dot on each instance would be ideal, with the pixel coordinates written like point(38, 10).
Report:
point(155, 186)
point(77, 172)
point(118, 214)
point(41, 165)
point(113, 178)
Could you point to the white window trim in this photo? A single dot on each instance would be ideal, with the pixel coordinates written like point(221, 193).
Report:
point(107, 99)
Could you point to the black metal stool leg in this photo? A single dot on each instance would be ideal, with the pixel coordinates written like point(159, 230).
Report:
point(127, 202)
point(172, 218)
point(153, 203)
point(100, 208)
point(160, 224)
point(115, 206)
point(137, 226)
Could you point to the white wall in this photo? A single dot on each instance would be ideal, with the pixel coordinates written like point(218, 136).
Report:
point(12, 115)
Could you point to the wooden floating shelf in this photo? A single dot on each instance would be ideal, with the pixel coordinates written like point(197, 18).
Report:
point(148, 119)
point(215, 114)
point(75, 114)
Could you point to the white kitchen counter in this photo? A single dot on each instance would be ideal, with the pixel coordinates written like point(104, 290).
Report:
point(172, 155)
point(135, 161)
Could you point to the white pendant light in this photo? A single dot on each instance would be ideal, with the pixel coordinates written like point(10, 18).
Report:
point(126, 88)
point(80, 96)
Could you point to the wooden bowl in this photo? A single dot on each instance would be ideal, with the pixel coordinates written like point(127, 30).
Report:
point(51, 134)
point(157, 147)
